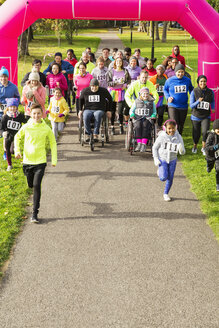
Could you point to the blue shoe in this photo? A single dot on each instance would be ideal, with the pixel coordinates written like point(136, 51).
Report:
point(4, 157)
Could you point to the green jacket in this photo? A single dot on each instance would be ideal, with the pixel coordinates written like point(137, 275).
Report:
point(35, 136)
point(133, 90)
point(89, 69)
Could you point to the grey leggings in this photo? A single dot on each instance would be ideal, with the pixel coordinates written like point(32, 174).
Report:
point(197, 127)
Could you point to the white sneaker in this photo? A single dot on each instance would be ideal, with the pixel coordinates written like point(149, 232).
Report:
point(166, 197)
point(158, 173)
point(138, 147)
point(143, 148)
point(9, 168)
point(194, 150)
point(203, 152)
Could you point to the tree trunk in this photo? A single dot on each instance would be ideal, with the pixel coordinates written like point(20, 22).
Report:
point(23, 45)
point(157, 36)
point(30, 33)
point(142, 27)
point(164, 35)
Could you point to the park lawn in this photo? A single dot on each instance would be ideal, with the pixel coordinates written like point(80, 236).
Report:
point(14, 192)
point(202, 183)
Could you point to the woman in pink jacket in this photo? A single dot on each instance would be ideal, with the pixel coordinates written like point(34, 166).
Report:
point(56, 80)
point(81, 81)
point(33, 93)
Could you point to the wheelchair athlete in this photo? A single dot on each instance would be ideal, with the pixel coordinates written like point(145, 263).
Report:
point(93, 103)
point(142, 111)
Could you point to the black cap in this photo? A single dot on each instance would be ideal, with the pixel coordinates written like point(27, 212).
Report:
point(216, 124)
point(178, 67)
point(94, 82)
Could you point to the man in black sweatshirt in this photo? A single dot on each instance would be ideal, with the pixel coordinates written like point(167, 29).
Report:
point(94, 102)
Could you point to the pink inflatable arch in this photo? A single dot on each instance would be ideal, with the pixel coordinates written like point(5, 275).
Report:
point(196, 16)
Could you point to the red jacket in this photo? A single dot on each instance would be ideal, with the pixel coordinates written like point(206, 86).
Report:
point(180, 58)
point(73, 62)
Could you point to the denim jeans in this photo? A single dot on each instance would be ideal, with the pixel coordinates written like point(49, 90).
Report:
point(166, 173)
point(88, 114)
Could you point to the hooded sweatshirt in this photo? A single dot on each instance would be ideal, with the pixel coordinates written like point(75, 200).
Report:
point(166, 147)
point(133, 92)
point(180, 58)
point(33, 95)
point(52, 80)
point(100, 75)
point(35, 136)
point(56, 107)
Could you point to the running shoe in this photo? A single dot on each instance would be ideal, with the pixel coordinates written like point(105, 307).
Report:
point(194, 150)
point(203, 152)
point(166, 197)
point(34, 219)
point(9, 168)
point(138, 147)
point(143, 148)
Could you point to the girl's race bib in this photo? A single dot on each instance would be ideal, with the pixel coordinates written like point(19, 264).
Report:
point(203, 105)
point(2, 107)
point(12, 125)
point(55, 109)
point(142, 111)
point(171, 147)
point(180, 88)
point(30, 103)
point(51, 92)
point(160, 88)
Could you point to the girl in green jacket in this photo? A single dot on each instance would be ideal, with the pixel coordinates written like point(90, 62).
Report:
point(35, 133)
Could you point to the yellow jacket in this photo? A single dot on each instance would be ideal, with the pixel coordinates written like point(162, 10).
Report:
point(57, 107)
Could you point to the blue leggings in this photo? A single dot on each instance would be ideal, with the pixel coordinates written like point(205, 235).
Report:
point(166, 173)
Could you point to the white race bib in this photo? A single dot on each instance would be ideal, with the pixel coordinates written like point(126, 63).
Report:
point(30, 103)
point(2, 107)
point(55, 109)
point(160, 88)
point(94, 98)
point(203, 105)
point(216, 154)
point(142, 111)
point(51, 92)
point(101, 77)
point(180, 88)
point(171, 147)
point(13, 125)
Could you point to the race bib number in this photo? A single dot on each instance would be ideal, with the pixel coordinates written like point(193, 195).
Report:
point(12, 125)
point(216, 154)
point(101, 77)
point(94, 98)
point(2, 107)
point(171, 147)
point(180, 88)
point(160, 88)
point(142, 111)
point(51, 92)
point(55, 109)
point(203, 105)
point(30, 103)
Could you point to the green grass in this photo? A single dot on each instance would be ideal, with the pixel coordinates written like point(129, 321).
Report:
point(14, 192)
point(202, 183)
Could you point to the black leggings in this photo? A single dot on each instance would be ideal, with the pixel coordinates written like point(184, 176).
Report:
point(9, 149)
point(143, 129)
point(121, 106)
point(179, 115)
point(197, 126)
point(34, 174)
point(160, 113)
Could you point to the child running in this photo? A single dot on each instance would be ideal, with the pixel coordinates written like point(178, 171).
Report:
point(142, 111)
point(165, 150)
point(212, 151)
point(35, 133)
point(11, 123)
point(57, 110)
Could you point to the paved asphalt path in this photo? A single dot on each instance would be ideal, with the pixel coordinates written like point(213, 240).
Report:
point(109, 252)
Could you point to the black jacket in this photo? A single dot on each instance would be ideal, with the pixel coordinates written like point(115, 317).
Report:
point(100, 100)
point(212, 140)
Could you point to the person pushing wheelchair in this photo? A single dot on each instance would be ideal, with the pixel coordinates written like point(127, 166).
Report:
point(94, 102)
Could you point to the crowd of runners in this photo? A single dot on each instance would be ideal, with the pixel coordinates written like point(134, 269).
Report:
point(123, 86)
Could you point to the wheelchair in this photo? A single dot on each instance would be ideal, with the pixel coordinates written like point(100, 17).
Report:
point(84, 138)
point(130, 138)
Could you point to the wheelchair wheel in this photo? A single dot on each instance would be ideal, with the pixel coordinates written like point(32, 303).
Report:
point(129, 136)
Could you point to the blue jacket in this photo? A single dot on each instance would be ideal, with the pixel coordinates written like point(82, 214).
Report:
point(11, 91)
point(178, 89)
point(66, 66)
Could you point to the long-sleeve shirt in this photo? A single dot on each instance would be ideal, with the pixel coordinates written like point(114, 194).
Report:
point(89, 68)
point(178, 89)
point(26, 78)
point(56, 107)
point(12, 124)
point(82, 82)
point(35, 137)
point(132, 111)
point(39, 97)
point(52, 80)
point(65, 66)
point(99, 100)
point(100, 75)
point(10, 91)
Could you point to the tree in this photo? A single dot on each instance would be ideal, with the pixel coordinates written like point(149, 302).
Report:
point(164, 34)
point(157, 36)
point(214, 4)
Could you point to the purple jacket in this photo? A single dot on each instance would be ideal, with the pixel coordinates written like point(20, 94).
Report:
point(134, 72)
